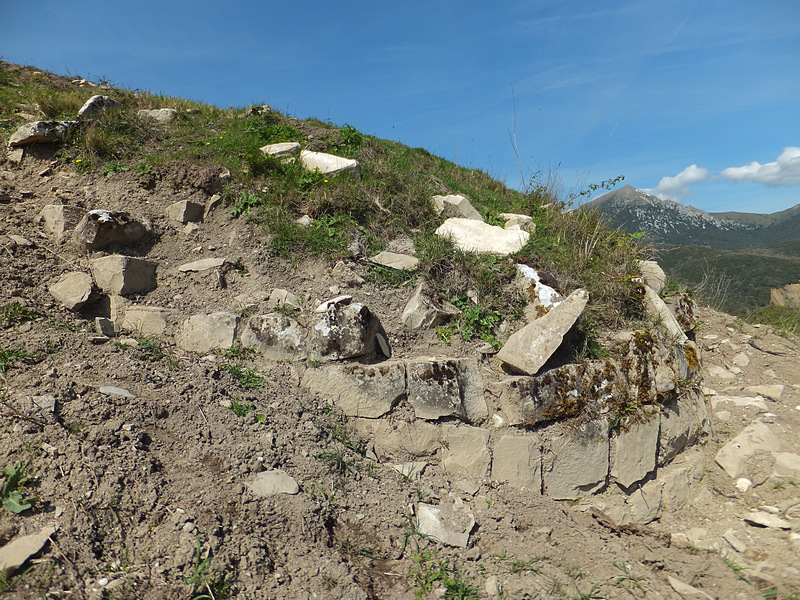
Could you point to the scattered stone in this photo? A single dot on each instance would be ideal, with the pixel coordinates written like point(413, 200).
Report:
point(763, 518)
point(40, 132)
point(123, 275)
point(516, 460)
point(116, 392)
point(411, 470)
point(359, 390)
point(159, 115)
point(338, 301)
point(719, 372)
point(99, 229)
point(14, 554)
point(422, 311)
point(96, 105)
point(304, 221)
point(754, 438)
point(686, 591)
point(46, 403)
point(58, 219)
point(446, 387)
point(343, 330)
point(393, 260)
point(528, 349)
point(515, 221)
point(277, 336)
point(21, 241)
point(185, 211)
point(737, 544)
point(284, 150)
point(73, 290)
point(744, 401)
point(279, 297)
point(772, 392)
point(741, 359)
point(328, 164)
point(476, 236)
point(787, 464)
point(541, 297)
point(105, 326)
point(401, 439)
point(448, 523)
point(346, 275)
point(467, 451)
point(201, 333)
point(455, 206)
point(204, 264)
point(145, 320)
point(271, 483)
point(211, 204)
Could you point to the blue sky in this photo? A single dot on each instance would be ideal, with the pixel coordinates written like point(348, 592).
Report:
point(696, 101)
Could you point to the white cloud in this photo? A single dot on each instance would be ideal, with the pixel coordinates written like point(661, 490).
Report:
point(678, 187)
point(784, 171)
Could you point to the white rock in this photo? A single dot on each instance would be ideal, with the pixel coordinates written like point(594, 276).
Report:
point(455, 206)
point(686, 591)
point(743, 484)
point(516, 221)
point(772, 392)
point(745, 401)
point(328, 164)
point(96, 105)
point(467, 451)
point(144, 320)
point(201, 333)
point(758, 436)
point(660, 312)
point(653, 275)
point(185, 211)
point(72, 290)
point(40, 132)
point(123, 275)
point(282, 149)
point(476, 236)
point(14, 554)
point(58, 219)
point(421, 312)
point(517, 461)
point(765, 519)
point(203, 264)
point(447, 524)
point(159, 115)
point(741, 360)
point(411, 470)
point(271, 483)
point(114, 391)
point(394, 260)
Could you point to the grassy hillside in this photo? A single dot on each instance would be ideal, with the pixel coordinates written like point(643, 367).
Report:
point(389, 200)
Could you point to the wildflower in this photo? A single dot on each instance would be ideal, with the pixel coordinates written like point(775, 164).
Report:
point(78, 159)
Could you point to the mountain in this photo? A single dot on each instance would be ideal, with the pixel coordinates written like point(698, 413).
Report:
point(733, 258)
point(666, 222)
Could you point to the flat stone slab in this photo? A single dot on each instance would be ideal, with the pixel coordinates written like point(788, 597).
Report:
point(754, 438)
point(393, 260)
point(478, 237)
point(272, 483)
point(159, 115)
point(328, 164)
point(282, 149)
point(467, 451)
point(201, 333)
point(39, 131)
point(517, 461)
point(762, 518)
point(446, 387)
point(114, 391)
point(772, 392)
point(119, 274)
point(14, 554)
point(455, 205)
point(72, 289)
point(528, 349)
point(277, 336)
point(204, 264)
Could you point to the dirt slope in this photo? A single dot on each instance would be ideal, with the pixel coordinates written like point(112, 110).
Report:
point(149, 494)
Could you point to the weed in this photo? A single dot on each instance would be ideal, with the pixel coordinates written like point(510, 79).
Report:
point(737, 569)
point(150, 349)
point(237, 352)
point(592, 594)
point(15, 313)
point(207, 584)
point(428, 572)
point(12, 498)
point(6, 356)
point(627, 577)
point(337, 461)
point(114, 167)
point(239, 408)
point(246, 204)
point(245, 376)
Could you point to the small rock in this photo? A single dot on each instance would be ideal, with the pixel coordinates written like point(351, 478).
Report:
point(95, 106)
point(686, 591)
point(743, 484)
point(447, 523)
point(159, 115)
point(203, 264)
point(114, 391)
point(14, 554)
point(764, 519)
point(393, 260)
point(271, 483)
point(47, 402)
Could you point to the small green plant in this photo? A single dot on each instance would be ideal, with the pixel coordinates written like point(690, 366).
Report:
point(246, 204)
point(12, 498)
point(207, 584)
point(114, 167)
point(593, 593)
point(142, 169)
point(15, 314)
point(628, 578)
point(338, 461)
point(6, 356)
point(737, 569)
point(429, 572)
point(245, 376)
point(239, 408)
point(150, 349)
point(476, 320)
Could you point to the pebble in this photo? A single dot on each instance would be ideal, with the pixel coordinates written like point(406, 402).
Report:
point(743, 484)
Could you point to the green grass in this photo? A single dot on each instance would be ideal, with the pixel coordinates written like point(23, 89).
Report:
point(246, 377)
point(16, 314)
point(7, 356)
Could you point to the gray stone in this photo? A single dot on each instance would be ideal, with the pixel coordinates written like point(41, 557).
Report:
point(99, 229)
point(467, 451)
point(123, 275)
point(204, 264)
point(787, 464)
point(754, 438)
point(211, 204)
point(422, 312)
point(644, 503)
point(528, 349)
point(185, 211)
point(95, 106)
point(46, 403)
point(159, 115)
point(201, 333)
point(14, 554)
point(517, 221)
point(470, 235)
point(659, 312)
point(58, 219)
point(633, 450)
point(359, 390)
point(346, 275)
point(763, 518)
point(40, 132)
point(772, 392)
point(455, 206)
point(411, 470)
point(576, 459)
point(653, 275)
point(397, 261)
point(279, 297)
point(21, 241)
point(145, 320)
point(683, 420)
point(282, 149)
point(277, 336)
point(328, 164)
point(517, 461)
point(448, 523)
point(324, 307)
point(344, 331)
point(272, 483)
point(116, 392)
point(72, 290)
point(105, 326)
point(743, 401)
point(401, 439)
point(686, 591)
point(446, 387)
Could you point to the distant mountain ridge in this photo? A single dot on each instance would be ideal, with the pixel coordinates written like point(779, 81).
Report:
point(671, 223)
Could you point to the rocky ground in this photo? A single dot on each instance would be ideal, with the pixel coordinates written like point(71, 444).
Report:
point(142, 463)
